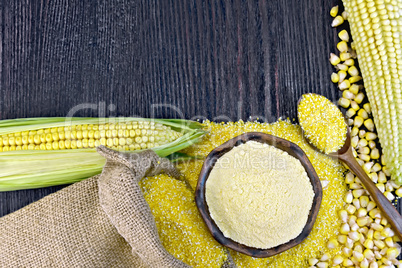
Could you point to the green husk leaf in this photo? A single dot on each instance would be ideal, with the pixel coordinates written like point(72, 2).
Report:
point(36, 168)
point(182, 157)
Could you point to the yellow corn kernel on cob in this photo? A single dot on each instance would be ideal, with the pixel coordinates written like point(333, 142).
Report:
point(376, 27)
point(39, 152)
point(126, 136)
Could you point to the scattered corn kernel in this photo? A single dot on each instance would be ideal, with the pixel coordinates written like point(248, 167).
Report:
point(342, 75)
point(338, 259)
point(334, 78)
point(338, 20)
point(344, 35)
point(358, 121)
point(369, 124)
point(345, 84)
point(332, 243)
point(322, 265)
point(354, 106)
point(345, 103)
point(367, 107)
point(347, 263)
point(345, 56)
point(359, 97)
point(342, 67)
point(355, 79)
point(350, 62)
point(350, 112)
point(333, 12)
point(345, 229)
point(334, 59)
point(353, 71)
point(342, 46)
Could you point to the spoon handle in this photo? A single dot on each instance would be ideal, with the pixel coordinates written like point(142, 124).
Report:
point(389, 211)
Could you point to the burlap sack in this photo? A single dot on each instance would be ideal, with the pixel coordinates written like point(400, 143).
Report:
point(103, 221)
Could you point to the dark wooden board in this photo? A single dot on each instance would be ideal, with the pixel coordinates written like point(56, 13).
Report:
point(221, 60)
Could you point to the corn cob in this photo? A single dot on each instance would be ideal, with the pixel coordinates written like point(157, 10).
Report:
point(361, 218)
point(38, 152)
point(376, 28)
point(128, 136)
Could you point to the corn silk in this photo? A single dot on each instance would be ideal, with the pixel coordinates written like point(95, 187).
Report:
point(183, 232)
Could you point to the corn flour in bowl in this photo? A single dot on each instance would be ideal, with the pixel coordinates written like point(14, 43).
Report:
point(259, 196)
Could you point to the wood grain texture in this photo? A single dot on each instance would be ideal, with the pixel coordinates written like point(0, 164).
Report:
point(221, 60)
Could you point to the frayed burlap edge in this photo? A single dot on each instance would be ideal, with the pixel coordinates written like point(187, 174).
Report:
point(103, 221)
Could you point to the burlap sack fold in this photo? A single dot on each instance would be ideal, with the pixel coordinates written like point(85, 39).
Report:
point(103, 221)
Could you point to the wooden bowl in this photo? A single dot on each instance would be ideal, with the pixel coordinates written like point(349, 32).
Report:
point(279, 143)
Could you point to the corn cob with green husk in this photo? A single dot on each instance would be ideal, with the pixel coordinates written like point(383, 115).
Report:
point(39, 152)
point(376, 27)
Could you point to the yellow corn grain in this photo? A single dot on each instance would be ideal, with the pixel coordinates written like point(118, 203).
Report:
point(322, 265)
point(358, 121)
point(362, 113)
point(364, 263)
point(354, 131)
point(342, 67)
point(376, 29)
point(381, 187)
point(338, 20)
point(345, 15)
point(342, 75)
point(342, 46)
point(351, 62)
point(331, 203)
point(334, 59)
point(367, 107)
point(369, 124)
point(332, 243)
point(342, 238)
point(359, 97)
point(344, 35)
point(372, 145)
point(333, 12)
point(364, 150)
point(74, 137)
point(350, 112)
point(345, 84)
point(354, 106)
point(398, 192)
point(355, 79)
point(345, 103)
point(344, 56)
point(353, 71)
point(334, 78)
point(347, 263)
point(371, 136)
point(376, 167)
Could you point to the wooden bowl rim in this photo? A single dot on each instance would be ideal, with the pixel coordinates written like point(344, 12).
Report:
point(279, 143)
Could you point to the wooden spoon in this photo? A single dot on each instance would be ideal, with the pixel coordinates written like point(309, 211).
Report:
point(345, 154)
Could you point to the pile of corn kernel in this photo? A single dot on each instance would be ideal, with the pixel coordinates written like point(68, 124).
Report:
point(365, 236)
point(183, 231)
point(358, 237)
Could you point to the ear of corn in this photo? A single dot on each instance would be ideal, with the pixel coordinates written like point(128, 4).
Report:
point(376, 245)
point(376, 28)
point(39, 152)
